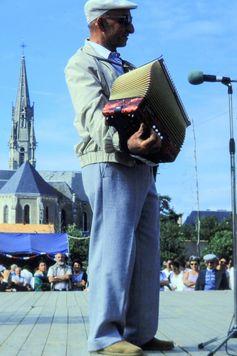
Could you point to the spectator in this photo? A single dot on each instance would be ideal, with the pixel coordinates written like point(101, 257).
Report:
point(19, 282)
point(211, 278)
point(187, 266)
point(230, 264)
point(25, 272)
point(59, 274)
point(4, 280)
point(230, 270)
point(190, 276)
point(167, 270)
point(223, 266)
point(164, 282)
point(176, 277)
point(79, 278)
point(12, 270)
point(41, 282)
point(2, 268)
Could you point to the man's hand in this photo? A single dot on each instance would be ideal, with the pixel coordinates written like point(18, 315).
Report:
point(139, 146)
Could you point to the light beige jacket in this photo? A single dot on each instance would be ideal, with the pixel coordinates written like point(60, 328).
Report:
point(89, 78)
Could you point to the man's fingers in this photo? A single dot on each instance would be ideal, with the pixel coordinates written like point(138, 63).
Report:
point(141, 129)
point(153, 139)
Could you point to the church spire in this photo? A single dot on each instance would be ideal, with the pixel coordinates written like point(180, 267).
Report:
point(23, 98)
point(22, 142)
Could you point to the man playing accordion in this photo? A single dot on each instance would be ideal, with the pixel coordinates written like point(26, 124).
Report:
point(124, 247)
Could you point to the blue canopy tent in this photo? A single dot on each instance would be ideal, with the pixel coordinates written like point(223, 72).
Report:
point(36, 244)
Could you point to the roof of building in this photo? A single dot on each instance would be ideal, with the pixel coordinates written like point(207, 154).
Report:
point(6, 174)
point(63, 188)
point(66, 182)
point(220, 215)
point(26, 180)
point(72, 178)
point(30, 228)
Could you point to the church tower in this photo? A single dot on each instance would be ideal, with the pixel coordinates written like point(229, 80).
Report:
point(22, 142)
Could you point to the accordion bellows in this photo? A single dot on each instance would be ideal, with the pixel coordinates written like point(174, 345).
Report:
point(149, 91)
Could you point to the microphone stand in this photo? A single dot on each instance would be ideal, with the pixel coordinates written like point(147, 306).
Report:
point(232, 333)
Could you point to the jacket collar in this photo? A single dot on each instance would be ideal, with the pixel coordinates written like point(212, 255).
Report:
point(91, 51)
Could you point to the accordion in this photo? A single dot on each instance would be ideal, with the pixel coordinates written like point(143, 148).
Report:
point(147, 95)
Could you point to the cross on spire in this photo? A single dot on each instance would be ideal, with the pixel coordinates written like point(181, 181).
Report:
point(23, 46)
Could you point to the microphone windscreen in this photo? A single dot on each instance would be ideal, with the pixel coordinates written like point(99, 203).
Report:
point(195, 77)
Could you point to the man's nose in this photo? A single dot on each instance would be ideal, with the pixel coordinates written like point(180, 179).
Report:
point(131, 28)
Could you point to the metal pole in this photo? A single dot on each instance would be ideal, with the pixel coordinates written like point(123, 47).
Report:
point(197, 193)
point(232, 333)
point(233, 197)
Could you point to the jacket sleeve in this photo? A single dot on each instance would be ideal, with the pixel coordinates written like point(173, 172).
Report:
point(223, 281)
point(89, 92)
point(199, 284)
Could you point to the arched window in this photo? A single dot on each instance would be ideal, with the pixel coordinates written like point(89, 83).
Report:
point(5, 214)
point(84, 221)
point(26, 219)
point(46, 215)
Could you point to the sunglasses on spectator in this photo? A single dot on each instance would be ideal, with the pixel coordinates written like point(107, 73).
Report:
point(124, 20)
point(193, 264)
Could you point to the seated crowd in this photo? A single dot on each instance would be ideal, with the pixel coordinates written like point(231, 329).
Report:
point(217, 274)
point(58, 277)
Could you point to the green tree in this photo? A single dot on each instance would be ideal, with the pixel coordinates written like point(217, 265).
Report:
point(172, 241)
point(166, 212)
point(208, 227)
point(189, 232)
point(220, 244)
point(171, 235)
point(78, 248)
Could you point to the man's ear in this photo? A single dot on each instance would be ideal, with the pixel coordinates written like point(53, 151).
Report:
point(102, 23)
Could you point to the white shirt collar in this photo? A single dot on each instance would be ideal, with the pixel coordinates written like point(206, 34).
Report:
point(102, 51)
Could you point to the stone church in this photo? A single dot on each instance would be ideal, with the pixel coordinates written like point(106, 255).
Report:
point(29, 196)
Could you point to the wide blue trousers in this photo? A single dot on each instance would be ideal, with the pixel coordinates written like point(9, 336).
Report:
point(124, 254)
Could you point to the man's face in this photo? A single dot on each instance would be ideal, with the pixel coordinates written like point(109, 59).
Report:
point(118, 26)
point(18, 271)
point(76, 267)
point(59, 258)
point(211, 264)
point(223, 263)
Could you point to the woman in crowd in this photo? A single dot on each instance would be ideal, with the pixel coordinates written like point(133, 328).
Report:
point(79, 278)
point(190, 277)
point(176, 277)
point(41, 282)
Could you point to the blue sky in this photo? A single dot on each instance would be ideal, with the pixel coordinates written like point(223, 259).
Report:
point(191, 35)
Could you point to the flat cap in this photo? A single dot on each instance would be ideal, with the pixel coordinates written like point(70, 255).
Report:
point(210, 257)
point(96, 8)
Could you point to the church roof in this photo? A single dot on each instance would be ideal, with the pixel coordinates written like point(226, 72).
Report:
point(72, 178)
point(5, 175)
point(63, 188)
point(26, 180)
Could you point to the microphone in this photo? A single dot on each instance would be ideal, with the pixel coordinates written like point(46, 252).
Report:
point(198, 77)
